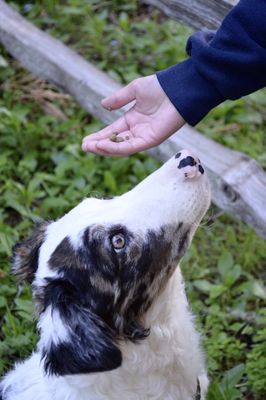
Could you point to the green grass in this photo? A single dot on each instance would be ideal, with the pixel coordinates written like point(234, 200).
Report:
point(44, 174)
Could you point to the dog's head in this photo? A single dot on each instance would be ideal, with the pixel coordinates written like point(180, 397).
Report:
point(96, 271)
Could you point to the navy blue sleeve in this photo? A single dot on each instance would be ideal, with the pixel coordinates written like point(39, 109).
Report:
point(226, 64)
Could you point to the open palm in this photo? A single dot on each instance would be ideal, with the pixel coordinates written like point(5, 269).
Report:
point(151, 120)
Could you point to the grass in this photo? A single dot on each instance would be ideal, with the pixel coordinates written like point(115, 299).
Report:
point(44, 174)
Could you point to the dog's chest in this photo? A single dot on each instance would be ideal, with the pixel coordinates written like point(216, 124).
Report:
point(150, 372)
point(165, 366)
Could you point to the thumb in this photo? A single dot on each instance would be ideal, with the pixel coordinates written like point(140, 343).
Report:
point(121, 97)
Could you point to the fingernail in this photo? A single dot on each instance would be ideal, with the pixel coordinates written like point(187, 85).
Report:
point(84, 146)
point(108, 108)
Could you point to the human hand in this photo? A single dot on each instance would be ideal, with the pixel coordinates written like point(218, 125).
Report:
point(150, 121)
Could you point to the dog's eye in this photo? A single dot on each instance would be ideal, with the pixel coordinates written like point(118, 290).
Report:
point(118, 241)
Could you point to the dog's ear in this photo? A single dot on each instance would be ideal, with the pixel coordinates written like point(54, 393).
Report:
point(26, 254)
point(73, 339)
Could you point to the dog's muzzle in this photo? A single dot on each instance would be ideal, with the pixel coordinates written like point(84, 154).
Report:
point(189, 164)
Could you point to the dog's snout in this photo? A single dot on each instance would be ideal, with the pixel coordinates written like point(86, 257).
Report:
point(187, 161)
point(188, 164)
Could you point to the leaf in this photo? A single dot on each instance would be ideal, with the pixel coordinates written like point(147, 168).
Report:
point(258, 290)
point(203, 285)
point(139, 169)
point(109, 181)
point(216, 291)
point(6, 243)
point(3, 62)
point(2, 302)
point(5, 111)
point(79, 183)
point(254, 288)
point(124, 21)
point(7, 290)
point(24, 305)
point(226, 390)
point(232, 275)
point(54, 202)
point(214, 392)
point(58, 157)
point(251, 118)
point(225, 263)
point(233, 376)
point(20, 340)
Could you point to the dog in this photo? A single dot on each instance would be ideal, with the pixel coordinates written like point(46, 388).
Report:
point(113, 317)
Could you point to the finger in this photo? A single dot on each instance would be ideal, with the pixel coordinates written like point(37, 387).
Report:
point(93, 149)
point(120, 98)
point(117, 127)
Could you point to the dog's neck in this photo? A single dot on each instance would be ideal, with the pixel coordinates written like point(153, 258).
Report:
point(163, 309)
point(165, 365)
point(157, 353)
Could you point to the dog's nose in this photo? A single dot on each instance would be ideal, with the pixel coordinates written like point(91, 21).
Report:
point(188, 164)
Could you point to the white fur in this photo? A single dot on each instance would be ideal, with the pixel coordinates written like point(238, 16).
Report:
point(51, 328)
point(165, 365)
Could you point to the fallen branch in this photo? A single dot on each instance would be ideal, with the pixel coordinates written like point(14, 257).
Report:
point(195, 13)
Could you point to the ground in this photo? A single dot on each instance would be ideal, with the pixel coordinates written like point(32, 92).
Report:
point(44, 174)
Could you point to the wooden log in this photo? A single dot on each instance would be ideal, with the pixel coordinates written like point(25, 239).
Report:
point(195, 13)
point(238, 182)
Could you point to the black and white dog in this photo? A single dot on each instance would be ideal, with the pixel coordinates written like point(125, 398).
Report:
point(113, 316)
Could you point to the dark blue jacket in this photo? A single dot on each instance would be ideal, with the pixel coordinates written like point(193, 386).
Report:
point(226, 64)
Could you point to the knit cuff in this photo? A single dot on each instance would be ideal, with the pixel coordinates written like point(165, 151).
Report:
point(191, 94)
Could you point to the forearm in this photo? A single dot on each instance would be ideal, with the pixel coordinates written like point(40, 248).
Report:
point(224, 65)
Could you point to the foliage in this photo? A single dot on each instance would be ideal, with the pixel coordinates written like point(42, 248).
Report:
point(44, 174)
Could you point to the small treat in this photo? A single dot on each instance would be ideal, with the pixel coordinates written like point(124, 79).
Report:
point(119, 139)
point(115, 138)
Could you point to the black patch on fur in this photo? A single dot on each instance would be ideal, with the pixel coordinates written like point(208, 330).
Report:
point(201, 169)
point(136, 332)
point(198, 391)
point(183, 243)
point(2, 392)
point(177, 155)
point(101, 296)
point(90, 345)
point(64, 256)
point(131, 275)
point(187, 161)
point(142, 280)
point(81, 357)
point(26, 254)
